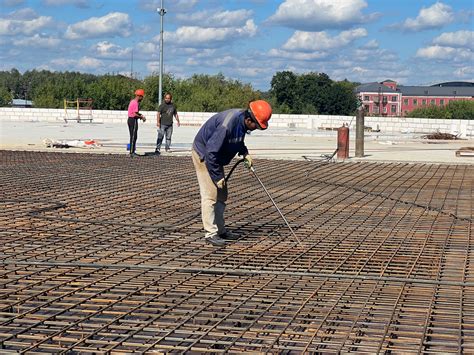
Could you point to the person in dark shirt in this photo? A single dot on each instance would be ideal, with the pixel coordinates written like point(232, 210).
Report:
point(215, 145)
point(164, 122)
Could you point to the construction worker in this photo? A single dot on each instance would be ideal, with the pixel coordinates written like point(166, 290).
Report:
point(133, 116)
point(164, 122)
point(215, 145)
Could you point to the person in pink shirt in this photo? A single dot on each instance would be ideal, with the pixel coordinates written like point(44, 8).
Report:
point(133, 116)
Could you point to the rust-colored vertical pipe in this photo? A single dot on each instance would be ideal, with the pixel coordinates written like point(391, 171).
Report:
point(343, 142)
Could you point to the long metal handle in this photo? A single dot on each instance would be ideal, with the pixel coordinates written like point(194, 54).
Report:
point(252, 169)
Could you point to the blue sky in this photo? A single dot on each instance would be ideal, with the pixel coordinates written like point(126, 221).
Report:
point(413, 42)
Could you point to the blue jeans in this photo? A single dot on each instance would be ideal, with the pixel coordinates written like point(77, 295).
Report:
point(162, 131)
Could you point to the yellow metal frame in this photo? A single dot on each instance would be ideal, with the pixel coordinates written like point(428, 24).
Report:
point(81, 107)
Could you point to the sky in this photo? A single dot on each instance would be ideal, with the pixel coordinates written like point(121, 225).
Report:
point(414, 42)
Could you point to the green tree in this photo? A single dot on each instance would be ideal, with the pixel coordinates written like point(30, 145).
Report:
point(45, 97)
point(151, 86)
point(5, 96)
point(284, 88)
point(112, 92)
point(11, 81)
point(341, 99)
point(456, 110)
point(312, 93)
point(210, 93)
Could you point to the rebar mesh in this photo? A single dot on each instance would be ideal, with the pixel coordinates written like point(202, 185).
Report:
point(102, 253)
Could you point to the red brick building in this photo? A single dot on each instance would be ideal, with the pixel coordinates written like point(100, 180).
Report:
point(389, 99)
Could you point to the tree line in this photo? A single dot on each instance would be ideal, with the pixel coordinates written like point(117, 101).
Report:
point(456, 110)
point(309, 93)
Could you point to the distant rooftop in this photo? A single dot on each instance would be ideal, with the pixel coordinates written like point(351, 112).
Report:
point(437, 90)
point(21, 103)
point(374, 87)
point(455, 83)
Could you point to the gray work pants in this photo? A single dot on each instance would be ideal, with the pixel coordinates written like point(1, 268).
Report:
point(213, 199)
point(162, 131)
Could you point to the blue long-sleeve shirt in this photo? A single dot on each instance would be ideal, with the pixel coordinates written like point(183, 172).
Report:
point(220, 139)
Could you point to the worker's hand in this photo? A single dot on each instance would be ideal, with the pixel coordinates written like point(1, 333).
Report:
point(178, 123)
point(158, 125)
point(221, 183)
point(248, 161)
point(143, 119)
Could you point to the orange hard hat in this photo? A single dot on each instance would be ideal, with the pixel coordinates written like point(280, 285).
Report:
point(140, 92)
point(261, 111)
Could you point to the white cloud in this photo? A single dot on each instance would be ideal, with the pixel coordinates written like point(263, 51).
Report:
point(435, 16)
point(284, 54)
point(359, 70)
point(465, 72)
point(250, 71)
point(172, 6)
point(372, 44)
point(445, 53)
point(199, 52)
point(11, 3)
point(44, 67)
point(456, 39)
point(316, 41)
point(38, 41)
point(147, 48)
point(216, 19)
point(366, 72)
point(112, 24)
point(192, 61)
point(317, 46)
point(435, 52)
point(23, 14)
point(27, 27)
point(144, 29)
point(451, 48)
point(185, 4)
point(78, 3)
point(120, 66)
point(371, 52)
point(367, 55)
point(106, 49)
point(25, 22)
point(153, 67)
point(226, 60)
point(313, 15)
point(87, 63)
point(196, 37)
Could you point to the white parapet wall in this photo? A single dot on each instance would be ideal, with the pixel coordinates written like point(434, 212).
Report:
point(465, 128)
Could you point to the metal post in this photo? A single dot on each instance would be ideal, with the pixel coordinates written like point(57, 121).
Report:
point(162, 13)
point(131, 66)
point(359, 151)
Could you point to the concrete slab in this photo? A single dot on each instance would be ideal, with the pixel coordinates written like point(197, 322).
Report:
point(275, 143)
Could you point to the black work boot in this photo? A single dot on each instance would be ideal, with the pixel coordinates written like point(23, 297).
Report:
point(215, 240)
point(229, 236)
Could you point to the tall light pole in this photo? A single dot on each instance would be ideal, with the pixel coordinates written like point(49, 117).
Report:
point(161, 10)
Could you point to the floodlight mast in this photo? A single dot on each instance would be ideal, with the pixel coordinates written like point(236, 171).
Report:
point(162, 11)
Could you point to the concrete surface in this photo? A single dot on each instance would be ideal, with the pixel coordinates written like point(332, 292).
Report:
point(274, 143)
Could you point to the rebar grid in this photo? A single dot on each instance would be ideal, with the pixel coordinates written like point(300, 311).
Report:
point(102, 253)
